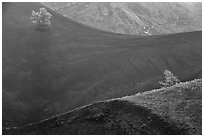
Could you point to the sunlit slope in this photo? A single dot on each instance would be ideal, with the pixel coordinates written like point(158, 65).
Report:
point(136, 18)
point(181, 103)
point(46, 73)
point(176, 110)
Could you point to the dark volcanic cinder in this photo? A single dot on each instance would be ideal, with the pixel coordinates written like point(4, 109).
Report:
point(46, 73)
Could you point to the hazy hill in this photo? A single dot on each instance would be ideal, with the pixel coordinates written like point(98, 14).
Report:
point(176, 110)
point(47, 73)
point(134, 18)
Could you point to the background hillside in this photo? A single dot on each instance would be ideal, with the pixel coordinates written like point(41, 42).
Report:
point(47, 73)
point(175, 110)
point(138, 18)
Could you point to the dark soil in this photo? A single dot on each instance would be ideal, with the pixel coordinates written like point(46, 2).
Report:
point(112, 117)
point(45, 73)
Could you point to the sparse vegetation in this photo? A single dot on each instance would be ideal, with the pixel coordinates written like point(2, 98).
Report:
point(170, 79)
point(180, 104)
point(45, 74)
point(173, 110)
point(41, 19)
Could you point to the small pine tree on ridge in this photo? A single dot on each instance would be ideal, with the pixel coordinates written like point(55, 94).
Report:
point(170, 79)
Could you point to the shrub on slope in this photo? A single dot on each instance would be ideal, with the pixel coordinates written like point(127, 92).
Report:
point(181, 103)
point(170, 79)
point(41, 19)
point(173, 110)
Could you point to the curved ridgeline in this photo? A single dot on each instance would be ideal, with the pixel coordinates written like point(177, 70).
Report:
point(176, 110)
point(47, 73)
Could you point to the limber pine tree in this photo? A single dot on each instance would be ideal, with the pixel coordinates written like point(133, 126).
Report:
point(170, 79)
point(41, 19)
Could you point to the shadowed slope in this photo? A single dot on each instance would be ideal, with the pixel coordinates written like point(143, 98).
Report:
point(112, 117)
point(46, 73)
point(146, 113)
point(181, 102)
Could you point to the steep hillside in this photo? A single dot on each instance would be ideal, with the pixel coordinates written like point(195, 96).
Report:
point(176, 110)
point(47, 73)
point(181, 103)
point(139, 18)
